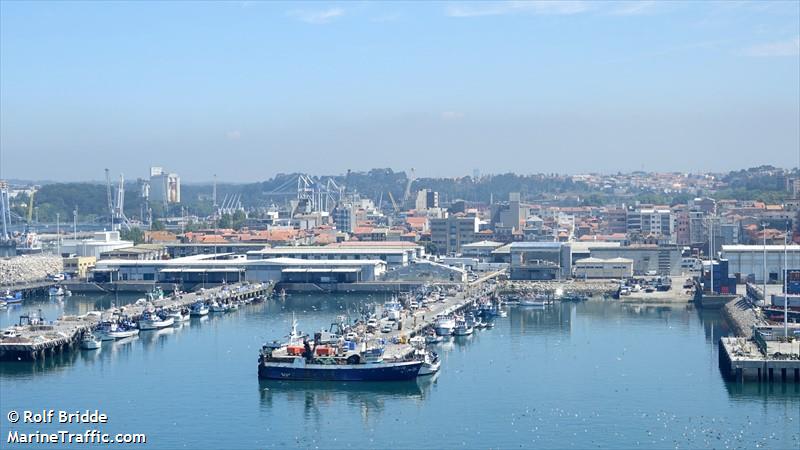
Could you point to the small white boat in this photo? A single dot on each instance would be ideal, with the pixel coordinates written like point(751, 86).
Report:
point(151, 321)
point(115, 331)
point(431, 365)
point(56, 291)
point(178, 317)
point(538, 302)
point(217, 308)
point(90, 342)
point(198, 309)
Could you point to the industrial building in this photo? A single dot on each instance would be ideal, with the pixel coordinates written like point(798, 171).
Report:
point(140, 252)
point(539, 260)
point(182, 250)
point(228, 268)
point(164, 187)
point(101, 242)
point(647, 259)
point(603, 268)
point(393, 257)
point(481, 250)
point(748, 260)
point(79, 266)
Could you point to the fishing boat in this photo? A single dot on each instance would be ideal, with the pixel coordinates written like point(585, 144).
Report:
point(431, 364)
point(56, 291)
point(110, 331)
point(346, 361)
point(153, 321)
point(444, 325)
point(10, 298)
point(198, 309)
point(462, 328)
point(179, 316)
point(537, 301)
point(217, 308)
point(90, 342)
point(433, 338)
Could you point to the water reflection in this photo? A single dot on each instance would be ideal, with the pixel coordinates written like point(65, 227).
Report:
point(772, 393)
point(369, 398)
point(552, 318)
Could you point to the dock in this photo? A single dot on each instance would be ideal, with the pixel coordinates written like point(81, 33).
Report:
point(417, 322)
point(36, 339)
point(760, 359)
point(30, 289)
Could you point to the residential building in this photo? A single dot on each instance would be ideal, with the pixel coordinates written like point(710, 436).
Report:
point(449, 234)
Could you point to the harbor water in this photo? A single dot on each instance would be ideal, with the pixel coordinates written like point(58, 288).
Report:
point(594, 375)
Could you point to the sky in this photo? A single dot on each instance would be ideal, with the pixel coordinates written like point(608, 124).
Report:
point(245, 90)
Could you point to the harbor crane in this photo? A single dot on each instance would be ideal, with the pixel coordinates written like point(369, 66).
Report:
point(109, 198)
point(119, 207)
point(394, 203)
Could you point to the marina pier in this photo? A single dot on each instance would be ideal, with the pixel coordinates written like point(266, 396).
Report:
point(34, 338)
point(760, 359)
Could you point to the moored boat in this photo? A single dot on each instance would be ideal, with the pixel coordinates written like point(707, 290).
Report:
point(179, 316)
point(301, 359)
point(10, 298)
point(444, 325)
point(198, 309)
point(152, 321)
point(462, 328)
point(431, 364)
point(109, 331)
point(90, 342)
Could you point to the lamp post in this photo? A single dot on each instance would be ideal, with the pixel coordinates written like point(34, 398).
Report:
point(764, 234)
point(785, 290)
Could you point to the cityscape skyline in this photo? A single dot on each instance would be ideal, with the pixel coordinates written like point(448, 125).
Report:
point(540, 87)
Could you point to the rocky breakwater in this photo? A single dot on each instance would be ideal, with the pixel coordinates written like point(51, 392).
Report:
point(29, 268)
point(742, 316)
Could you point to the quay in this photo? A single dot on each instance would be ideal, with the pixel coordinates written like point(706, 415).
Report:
point(34, 338)
point(762, 359)
point(30, 289)
point(417, 322)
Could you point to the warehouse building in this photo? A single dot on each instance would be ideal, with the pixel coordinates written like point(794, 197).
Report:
point(603, 268)
point(748, 261)
point(539, 260)
point(230, 268)
point(647, 259)
point(393, 257)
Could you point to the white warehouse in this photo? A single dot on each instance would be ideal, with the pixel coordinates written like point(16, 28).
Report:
point(749, 260)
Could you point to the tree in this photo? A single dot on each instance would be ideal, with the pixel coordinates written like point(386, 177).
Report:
point(157, 226)
point(134, 234)
point(431, 248)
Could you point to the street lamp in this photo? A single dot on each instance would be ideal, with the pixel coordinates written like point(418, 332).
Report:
point(764, 234)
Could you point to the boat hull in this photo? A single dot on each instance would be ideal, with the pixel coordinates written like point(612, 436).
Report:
point(156, 324)
point(355, 372)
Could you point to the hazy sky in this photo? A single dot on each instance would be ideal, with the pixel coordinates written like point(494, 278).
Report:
point(249, 89)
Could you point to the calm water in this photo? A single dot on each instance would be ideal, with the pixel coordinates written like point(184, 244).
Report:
point(594, 375)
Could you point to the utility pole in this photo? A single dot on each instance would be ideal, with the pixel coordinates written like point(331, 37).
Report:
point(58, 234)
point(711, 251)
point(764, 233)
point(75, 224)
point(785, 287)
